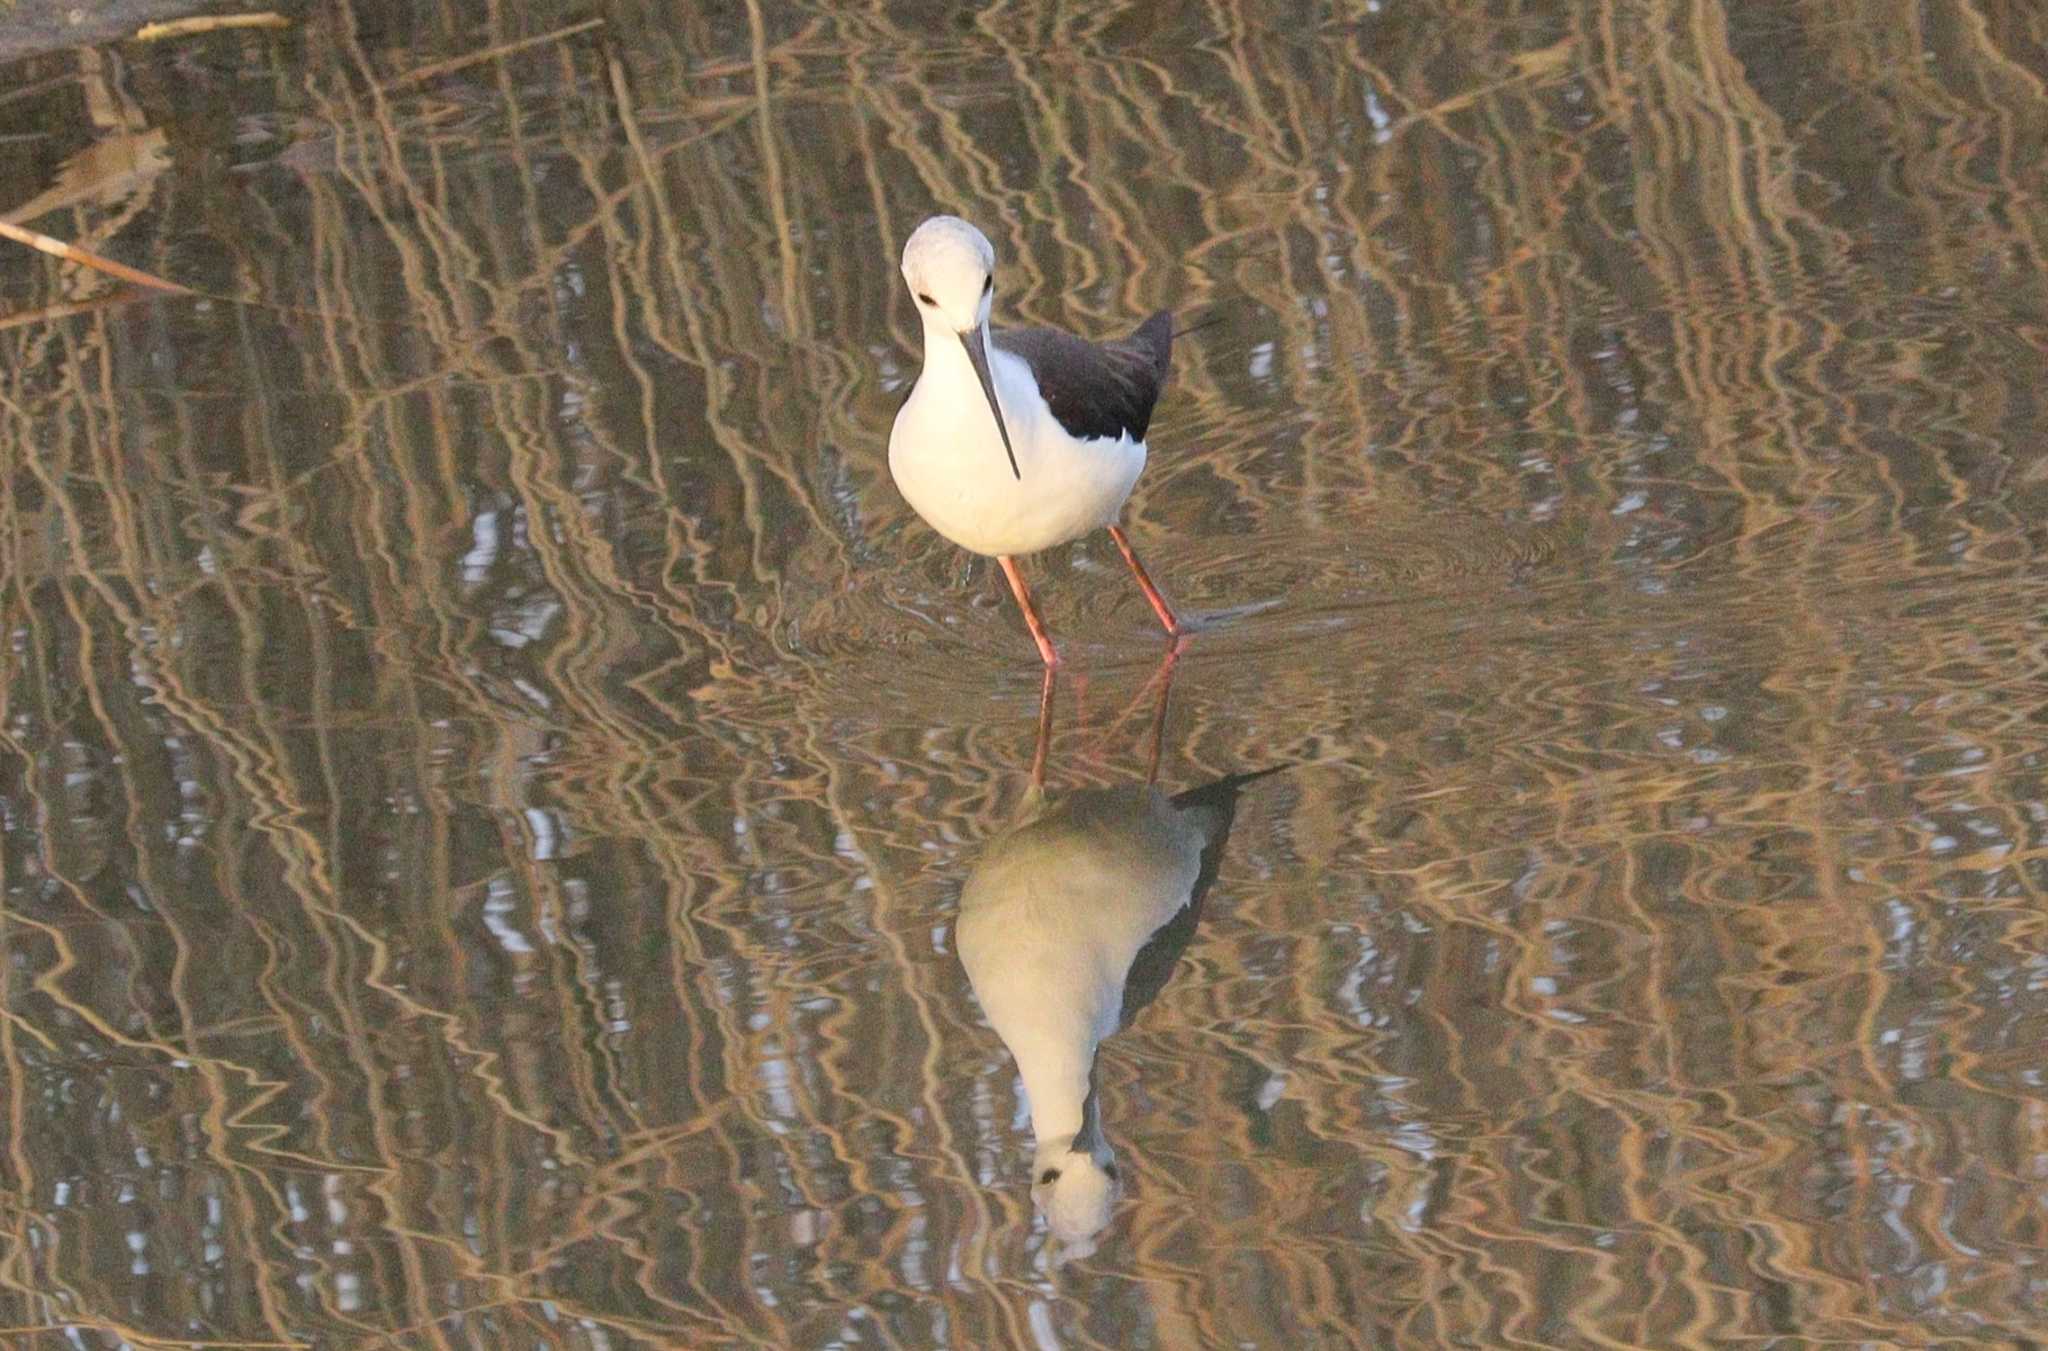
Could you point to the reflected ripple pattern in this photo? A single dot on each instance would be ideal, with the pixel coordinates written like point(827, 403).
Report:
point(488, 762)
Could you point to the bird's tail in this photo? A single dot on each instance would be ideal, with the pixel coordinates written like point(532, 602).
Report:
point(1214, 804)
point(1154, 338)
point(1216, 315)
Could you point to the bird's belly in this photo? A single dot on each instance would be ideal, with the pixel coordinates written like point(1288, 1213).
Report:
point(1038, 987)
point(961, 483)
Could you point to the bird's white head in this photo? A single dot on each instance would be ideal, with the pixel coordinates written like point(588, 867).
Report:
point(950, 268)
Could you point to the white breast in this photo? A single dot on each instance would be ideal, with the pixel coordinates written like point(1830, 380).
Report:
point(1051, 919)
point(948, 461)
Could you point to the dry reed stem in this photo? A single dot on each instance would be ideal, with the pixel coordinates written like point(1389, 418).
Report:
point(71, 253)
point(434, 70)
point(209, 23)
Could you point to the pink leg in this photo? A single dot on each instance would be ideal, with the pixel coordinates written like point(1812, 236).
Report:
point(1159, 605)
point(1031, 619)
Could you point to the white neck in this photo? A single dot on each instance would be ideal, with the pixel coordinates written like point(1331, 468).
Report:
point(946, 367)
point(945, 355)
point(1057, 1081)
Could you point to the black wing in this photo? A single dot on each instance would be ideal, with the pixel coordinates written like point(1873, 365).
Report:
point(1105, 389)
point(1156, 960)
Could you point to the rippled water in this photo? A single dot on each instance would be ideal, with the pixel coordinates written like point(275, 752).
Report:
point(488, 763)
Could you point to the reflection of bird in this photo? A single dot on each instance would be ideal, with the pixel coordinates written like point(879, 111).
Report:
point(1067, 416)
point(1068, 925)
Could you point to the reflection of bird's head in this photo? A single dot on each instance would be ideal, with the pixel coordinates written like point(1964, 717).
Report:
point(1075, 1188)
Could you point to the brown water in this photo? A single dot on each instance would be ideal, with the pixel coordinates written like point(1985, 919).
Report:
point(488, 761)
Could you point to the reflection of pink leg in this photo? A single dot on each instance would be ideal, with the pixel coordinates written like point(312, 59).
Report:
point(1031, 619)
point(1159, 605)
point(1165, 679)
point(1044, 731)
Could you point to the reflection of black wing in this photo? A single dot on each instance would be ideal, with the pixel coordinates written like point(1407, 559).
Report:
point(1156, 960)
point(1097, 389)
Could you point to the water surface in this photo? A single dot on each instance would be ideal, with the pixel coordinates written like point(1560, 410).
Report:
point(487, 761)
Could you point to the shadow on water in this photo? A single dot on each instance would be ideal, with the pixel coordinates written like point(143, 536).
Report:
point(488, 761)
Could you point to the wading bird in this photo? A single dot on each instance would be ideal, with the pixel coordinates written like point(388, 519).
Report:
point(1015, 440)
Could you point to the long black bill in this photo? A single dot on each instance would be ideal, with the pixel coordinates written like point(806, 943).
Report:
point(971, 340)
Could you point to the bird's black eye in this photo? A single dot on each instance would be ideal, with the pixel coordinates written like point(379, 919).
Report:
point(1110, 1169)
point(989, 284)
point(1048, 1177)
point(924, 299)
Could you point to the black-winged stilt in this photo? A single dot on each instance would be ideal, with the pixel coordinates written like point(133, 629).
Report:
point(1015, 440)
